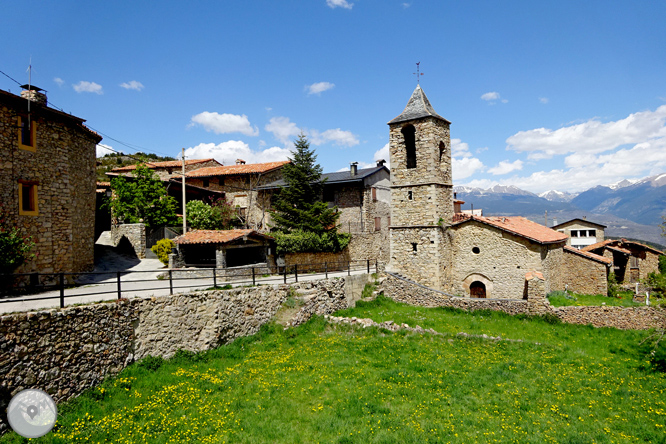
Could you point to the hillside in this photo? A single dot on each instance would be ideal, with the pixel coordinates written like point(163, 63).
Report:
point(117, 160)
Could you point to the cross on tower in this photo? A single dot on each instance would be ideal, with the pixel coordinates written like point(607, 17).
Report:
point(418, 73)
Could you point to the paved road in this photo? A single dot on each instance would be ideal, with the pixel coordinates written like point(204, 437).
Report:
point(139, 282)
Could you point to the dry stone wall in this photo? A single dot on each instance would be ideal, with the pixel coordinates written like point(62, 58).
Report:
point(582, 275)
point(135, 234)
point(64, 352)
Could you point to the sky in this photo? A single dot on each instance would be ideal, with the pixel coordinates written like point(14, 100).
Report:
point(541, 95)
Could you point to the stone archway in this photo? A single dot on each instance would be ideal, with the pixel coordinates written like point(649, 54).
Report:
point(477, 289)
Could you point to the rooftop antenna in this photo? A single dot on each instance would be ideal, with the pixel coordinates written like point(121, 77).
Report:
point(418, 73)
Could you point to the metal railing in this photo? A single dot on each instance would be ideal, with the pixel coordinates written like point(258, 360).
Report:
point(121, 284)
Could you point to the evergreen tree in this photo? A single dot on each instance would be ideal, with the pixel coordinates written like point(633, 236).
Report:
point(143, 199)
point(299, 206)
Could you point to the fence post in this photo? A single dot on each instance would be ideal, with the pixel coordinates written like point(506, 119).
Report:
point(348, 268)
point(118, 279)
point(214, 277)
point(326, 269)
point(62, 290)
point(376, 266)
point(254, 278)
point(296, 272)
point(285, 273)
point(368, 266)
point(170, 282)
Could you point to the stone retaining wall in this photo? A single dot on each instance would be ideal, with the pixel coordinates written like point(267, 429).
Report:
point(65, 351)
point(626, 318)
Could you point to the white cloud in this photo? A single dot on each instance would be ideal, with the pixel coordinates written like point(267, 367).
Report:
point(459, 148)
point(465, 167)
point(224, 123)
point(283, 129)
point(406, 5)
point(84, 86)
point(591, 136)
point(339, 4)
point(59, 81)
point(505, 167)
point(319, 87)
point(383, 153)
point(133, 84)
point(337, 136)
point(227, 152)
point(489, 96)
point(543, 100)
point(102, 150)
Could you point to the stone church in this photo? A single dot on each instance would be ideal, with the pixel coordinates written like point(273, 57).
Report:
point(434, 244)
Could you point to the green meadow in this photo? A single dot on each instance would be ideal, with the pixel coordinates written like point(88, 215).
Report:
point(320, 383)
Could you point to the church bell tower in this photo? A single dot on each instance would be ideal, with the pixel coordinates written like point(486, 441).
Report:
point(421, 192)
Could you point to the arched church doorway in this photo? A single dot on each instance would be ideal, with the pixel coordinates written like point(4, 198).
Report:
point(477, 290)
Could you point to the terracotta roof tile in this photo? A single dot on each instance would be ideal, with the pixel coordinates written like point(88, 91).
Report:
point(216, 236)
point(533, 274)
point(587, 254)
point(523, 227)
point(237, 169)
point(166, 164)
point(620, 245)
point(597, 245)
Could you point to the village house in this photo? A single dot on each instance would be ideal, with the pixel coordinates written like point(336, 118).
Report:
point(582, 233)
point(47, 181)
point(632, 261)
point(438, 246)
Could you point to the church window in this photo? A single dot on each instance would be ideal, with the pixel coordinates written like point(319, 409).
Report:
point(476, 250)
point(409, 133)
point(410, 195)
point(442, 150)
point(414, 244)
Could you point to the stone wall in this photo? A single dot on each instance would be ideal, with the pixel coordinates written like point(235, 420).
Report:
point(628, 318)
point(648, 264)
point(422, 253)
point(61, 165)
point(374, 246)
point(65, 351)
point(135, 234)
point(582, 275)
point(315, 261)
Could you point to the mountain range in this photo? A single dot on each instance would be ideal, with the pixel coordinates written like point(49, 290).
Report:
point(631, 209)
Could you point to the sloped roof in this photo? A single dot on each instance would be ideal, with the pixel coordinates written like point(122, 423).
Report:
point(165, 164)
point(216, 236)
point(332, 178)
point(520, 226)
point(620, 245)
point(583, 221)
point(588, 255)
point(230, 170)
point(418, 107)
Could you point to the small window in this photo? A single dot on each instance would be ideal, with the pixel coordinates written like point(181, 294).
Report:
point(221, 180)
point(206, 183)
point(378, 223)
point(592, 233)
point(414, 246)
point(26, 135)
point(476, 250)
point(410, 195)
point(574, 233)
point(242, 211)
point(28, 198)
point(409, 133)
point(442, 150)
point(329, 194)
point(374, 194)
point(633, 262)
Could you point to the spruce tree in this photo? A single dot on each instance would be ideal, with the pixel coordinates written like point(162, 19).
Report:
point(299, 206)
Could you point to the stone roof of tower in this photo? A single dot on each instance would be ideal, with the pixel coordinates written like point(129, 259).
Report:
point(418, 107)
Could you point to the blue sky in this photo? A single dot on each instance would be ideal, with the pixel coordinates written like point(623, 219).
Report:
point(560, 95)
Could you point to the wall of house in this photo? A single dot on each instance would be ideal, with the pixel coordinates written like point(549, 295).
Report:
point(64, 352)
point(63, 164)
point(168, 173)
point(582, 275)
point(578, 225)
point(503, 260)
point(422, 253)
point(648, 263)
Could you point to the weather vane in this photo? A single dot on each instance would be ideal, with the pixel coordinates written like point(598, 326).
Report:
point(418, 73)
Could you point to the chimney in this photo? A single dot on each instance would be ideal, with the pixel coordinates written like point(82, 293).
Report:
point(240, 162)
point(381, 162)
point(353, 167)
point(33, 93)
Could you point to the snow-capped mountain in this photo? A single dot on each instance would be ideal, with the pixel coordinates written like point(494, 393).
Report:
point(557, 196)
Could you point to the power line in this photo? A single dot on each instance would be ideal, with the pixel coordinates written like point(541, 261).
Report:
point(10, 78)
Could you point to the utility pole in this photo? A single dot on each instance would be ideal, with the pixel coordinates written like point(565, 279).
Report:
point(184, 202)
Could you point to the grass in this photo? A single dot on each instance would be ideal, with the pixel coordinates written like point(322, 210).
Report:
point(315, 383)
point(624, 299)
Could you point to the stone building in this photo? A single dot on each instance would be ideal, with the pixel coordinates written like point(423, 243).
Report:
point(437, 245)
point(225, 248)
point(581, 232)
point(241, 185)
point(47, 181)
point(632, 261)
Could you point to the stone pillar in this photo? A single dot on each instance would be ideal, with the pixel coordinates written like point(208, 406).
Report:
point(220, 257)
point(535, 286)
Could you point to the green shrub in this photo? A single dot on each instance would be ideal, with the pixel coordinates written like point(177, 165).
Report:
point(162, 249)
point(613, 286)
point(301, 241)
point(151, 363)
point(662, 264)
point(14, 247)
